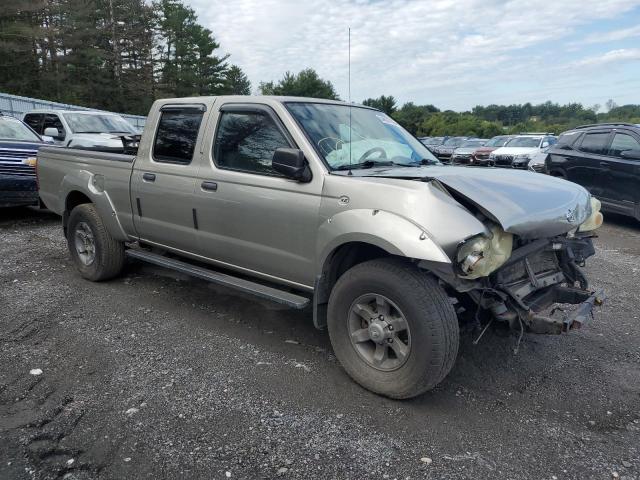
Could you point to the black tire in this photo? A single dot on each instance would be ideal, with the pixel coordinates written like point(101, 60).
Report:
point(431, 318)
point(109, 253)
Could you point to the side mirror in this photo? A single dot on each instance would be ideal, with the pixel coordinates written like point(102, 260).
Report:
point(291, 163)
point(53, 132)
point(630, 154)
point(46, 138)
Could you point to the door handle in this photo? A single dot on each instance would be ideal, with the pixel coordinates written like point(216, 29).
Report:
point(604, 164)
point(149, 177)
point(209, 186)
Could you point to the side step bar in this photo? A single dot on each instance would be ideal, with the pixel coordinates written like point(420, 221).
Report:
point(262, 291)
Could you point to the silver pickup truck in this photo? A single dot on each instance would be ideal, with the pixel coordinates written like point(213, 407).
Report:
point(335, 206)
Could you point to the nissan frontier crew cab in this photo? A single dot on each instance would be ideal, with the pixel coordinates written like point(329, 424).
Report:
point(335, 206)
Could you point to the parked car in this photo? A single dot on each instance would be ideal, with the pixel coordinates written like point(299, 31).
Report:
point(323, 203)
point(481, 155)
point(432, 142)
point(18, 147)
point(462, 154)
point(521, 149)
point(604, 158)
point(444, 151)
point(82, 128)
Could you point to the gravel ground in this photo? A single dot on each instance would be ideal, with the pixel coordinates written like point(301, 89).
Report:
point(155, 375)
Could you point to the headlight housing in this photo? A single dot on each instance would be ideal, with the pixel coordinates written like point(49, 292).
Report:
point(482, 255)
point(595, 219)
point(522, 156)
point(492, 156)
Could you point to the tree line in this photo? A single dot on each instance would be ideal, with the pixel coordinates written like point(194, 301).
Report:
point(491, 120)
point(121, 55)
point(115, 55)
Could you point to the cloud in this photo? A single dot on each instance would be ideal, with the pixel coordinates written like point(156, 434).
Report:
point(430, 52)
point(612, 36)
point(612, 56)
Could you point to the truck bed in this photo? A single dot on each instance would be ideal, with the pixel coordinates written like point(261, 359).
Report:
point(60, 169)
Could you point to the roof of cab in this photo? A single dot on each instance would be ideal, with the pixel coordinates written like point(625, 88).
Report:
point(259, 99)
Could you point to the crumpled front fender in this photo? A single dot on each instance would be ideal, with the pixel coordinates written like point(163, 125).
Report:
point(386, 230)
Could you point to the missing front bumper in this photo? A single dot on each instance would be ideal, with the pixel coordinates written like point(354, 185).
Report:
point(570, 320)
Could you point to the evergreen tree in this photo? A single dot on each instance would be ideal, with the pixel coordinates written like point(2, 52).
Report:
point(307, 83)
point(236, 82)
point(385, 103)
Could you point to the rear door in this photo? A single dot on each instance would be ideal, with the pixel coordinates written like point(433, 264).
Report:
point(623, 185)
point(590, 165)
point(163, 178)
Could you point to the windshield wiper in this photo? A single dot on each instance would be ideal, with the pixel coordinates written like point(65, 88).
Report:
point(366, 164)
point(427, 161)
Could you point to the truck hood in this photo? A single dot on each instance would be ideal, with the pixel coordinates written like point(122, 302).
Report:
point(524, 203)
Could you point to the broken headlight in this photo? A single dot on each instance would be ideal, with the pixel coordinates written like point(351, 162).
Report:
point(481, 255)
point(595, 219)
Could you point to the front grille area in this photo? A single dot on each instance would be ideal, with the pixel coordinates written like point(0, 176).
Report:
point(481, 156)
point(11, 162)
point(17, 169)
point(542, 261)
point(505, 160)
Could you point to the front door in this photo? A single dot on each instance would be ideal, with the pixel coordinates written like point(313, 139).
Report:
point(249, 217)
point(623, 186)
point(163, 181)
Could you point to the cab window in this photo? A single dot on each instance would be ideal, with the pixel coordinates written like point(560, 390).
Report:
point(246, 141)
point(595, 143)
point(53, 121)
point(176, 135)
point(34, 120)
point(621, 143)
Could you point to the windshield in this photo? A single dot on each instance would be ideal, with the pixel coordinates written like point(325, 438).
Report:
point(473, 143)
point(527, 142)
point(92, 123)
point(454, 142)
point(14, 129)
point(373, 136)
point(497, 141)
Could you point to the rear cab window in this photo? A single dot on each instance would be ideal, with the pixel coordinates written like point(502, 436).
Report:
point(177, 134)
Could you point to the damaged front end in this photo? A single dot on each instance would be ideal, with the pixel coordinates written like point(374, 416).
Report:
point(539, 274)
point(517, 279)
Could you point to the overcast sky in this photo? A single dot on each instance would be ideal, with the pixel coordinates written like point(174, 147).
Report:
point(452, 53)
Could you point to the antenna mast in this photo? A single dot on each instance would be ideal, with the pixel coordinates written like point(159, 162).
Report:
point(349, 99)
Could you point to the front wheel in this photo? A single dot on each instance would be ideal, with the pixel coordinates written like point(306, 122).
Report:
point(96, 254)
point(393, 328)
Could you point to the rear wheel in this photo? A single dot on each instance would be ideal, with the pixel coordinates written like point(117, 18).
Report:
point(392, 328)
point(96, 254)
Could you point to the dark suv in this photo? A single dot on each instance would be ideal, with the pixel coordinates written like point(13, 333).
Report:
point(605, 159)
